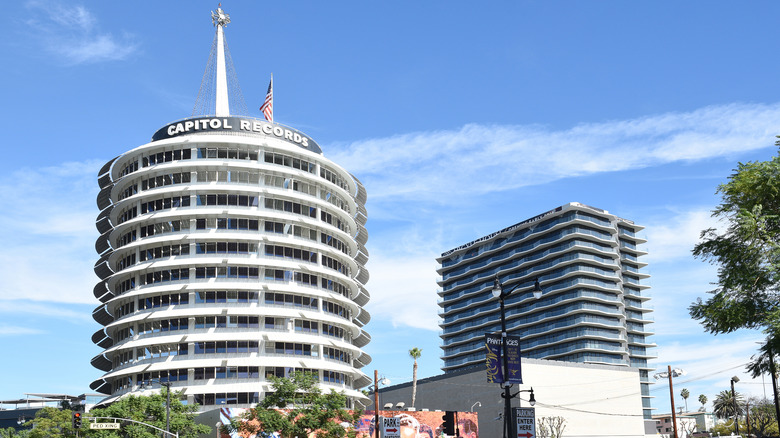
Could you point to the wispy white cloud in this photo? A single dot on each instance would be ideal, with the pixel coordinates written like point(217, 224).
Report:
point(709, 364)
point(476, 159)
point(72, 34)
point(403, 291)
point(6, 330)
point(426, 168)
point(673, 237)
point(708, 352)
point(96, 48)
point(70, 17)
point(48, 233)
point(417, 167)
point(50, 310)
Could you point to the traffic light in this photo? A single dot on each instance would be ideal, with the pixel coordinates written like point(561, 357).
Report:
point(76, 420)
point(448, 424)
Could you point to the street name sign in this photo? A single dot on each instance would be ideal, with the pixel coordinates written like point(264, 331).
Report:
point(104, 425)
point(391, 427)
point(525, 419)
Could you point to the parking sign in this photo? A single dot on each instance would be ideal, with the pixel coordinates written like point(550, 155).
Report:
point(525, 420)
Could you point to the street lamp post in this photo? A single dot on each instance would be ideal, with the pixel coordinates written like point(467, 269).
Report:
point(734, 399)
point(531, 398)
point(501, 294)
point(167, 386)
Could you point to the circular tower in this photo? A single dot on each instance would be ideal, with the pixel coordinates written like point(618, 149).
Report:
point(231, 251)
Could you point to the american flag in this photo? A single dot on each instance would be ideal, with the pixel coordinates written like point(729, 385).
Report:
point(268, 106)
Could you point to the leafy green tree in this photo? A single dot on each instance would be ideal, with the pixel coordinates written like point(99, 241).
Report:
point(747, 254)
point(151, 410)
point(297, 407)
point(761, 363)
point(415, 354)
point(702, 400)
point(51, 423)
point(13, 433)
point(725, 428)
point(762, 418)
point(685, 394)
point(723, 405)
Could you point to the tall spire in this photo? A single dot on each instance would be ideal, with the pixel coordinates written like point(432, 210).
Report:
point(220, 20)
point(219, 95)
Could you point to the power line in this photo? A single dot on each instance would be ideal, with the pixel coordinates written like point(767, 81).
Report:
point(609, 414)
point(702, 377)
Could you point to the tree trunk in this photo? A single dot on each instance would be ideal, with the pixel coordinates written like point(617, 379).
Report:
point(414, 382)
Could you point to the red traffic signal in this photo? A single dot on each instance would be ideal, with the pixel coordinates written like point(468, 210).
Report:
point(76, 420)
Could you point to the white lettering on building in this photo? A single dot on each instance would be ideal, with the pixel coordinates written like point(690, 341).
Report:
point(266, 128)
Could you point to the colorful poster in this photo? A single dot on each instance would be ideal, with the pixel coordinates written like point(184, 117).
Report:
point(494, 359)
point(416, 424)
point(420, 424)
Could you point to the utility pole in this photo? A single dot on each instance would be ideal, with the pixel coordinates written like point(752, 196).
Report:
point(671, 395)
point(376, 403)
point(772, 371)
point(736, 407)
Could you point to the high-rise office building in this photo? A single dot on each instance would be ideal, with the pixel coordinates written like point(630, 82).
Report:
point(594, 306)
point(231, 251)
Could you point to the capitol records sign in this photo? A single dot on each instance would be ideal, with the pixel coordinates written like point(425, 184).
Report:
point(236, 124)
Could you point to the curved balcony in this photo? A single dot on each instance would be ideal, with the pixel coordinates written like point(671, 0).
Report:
point(339, 283)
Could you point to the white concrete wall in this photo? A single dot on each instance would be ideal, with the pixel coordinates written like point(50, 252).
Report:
point(595, 400)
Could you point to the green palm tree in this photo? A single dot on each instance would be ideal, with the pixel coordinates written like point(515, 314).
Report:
point(415, 353)
point(723, 405)
point(685, 394)
point(761, 364)
point(702, 400)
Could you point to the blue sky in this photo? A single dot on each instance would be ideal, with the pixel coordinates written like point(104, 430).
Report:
point(460, 120)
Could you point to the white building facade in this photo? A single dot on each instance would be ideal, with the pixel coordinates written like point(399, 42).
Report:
point(594, 307)
point(687, 425)
point(593, 400)
point(231, 251)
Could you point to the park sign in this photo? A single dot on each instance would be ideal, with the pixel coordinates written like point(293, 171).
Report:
point(391, 427)
point(494, 361)
point(104, 426)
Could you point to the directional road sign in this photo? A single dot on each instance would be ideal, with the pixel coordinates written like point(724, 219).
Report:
point(525, 419)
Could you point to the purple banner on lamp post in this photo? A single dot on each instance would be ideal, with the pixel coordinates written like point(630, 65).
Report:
point(494, 359)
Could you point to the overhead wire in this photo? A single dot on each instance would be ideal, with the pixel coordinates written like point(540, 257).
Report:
point(567, 407)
